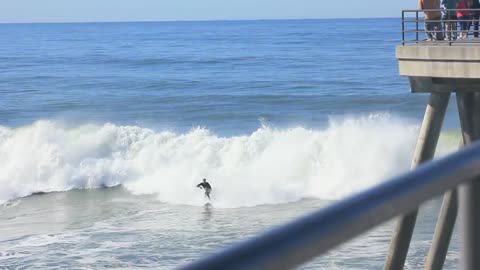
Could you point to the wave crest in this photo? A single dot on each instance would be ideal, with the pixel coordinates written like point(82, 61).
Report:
point(268, 166)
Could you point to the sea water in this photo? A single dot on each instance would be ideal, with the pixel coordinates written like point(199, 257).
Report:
point(107, 128)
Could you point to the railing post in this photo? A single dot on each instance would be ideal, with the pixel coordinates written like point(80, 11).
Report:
point(416, 21)
point(403, 27)
point(469, 194)
point(424, 151)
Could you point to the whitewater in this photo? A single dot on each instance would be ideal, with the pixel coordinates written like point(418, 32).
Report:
point(267, 166)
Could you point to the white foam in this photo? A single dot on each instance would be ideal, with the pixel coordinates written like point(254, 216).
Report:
point(267, 166)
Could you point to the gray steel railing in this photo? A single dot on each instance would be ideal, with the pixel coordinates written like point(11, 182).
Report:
point(297, 242)
point(413, 31)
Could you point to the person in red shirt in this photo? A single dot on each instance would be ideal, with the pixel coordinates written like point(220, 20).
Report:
point(464, 16)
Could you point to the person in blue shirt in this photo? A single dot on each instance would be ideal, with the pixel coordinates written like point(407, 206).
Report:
point(450, 18)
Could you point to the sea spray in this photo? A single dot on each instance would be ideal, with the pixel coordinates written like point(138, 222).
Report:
point(267, 166)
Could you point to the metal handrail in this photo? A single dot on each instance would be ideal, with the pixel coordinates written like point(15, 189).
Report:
point(299, 241)
point(413, 16)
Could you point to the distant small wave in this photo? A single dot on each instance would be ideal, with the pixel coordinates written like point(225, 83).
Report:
point(142, 62)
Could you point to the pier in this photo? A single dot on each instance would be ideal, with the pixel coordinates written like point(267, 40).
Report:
point(441, 68)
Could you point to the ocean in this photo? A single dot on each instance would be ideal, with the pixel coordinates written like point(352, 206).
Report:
point(107, 128)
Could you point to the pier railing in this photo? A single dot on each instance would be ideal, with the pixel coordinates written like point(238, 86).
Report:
point(299, 241)
point(413, 26)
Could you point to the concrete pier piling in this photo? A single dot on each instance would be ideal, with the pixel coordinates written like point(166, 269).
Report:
point(443, 232)
point(424, 151)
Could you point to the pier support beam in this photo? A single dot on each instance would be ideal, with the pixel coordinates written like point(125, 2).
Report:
point(443, 232)
point(469, 194)
point(424, 151)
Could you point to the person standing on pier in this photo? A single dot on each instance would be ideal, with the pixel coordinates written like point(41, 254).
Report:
point(463, 16)
point(475, 17)
point(450, 18)
point(433, 19)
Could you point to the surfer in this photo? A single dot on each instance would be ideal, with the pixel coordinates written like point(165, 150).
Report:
point(206, 186)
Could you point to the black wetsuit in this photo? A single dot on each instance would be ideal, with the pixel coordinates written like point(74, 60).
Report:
point(207, 187)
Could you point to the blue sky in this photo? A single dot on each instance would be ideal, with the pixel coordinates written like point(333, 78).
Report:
point(172, 10)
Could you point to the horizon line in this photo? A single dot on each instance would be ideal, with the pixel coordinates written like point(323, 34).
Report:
point(199, 20)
